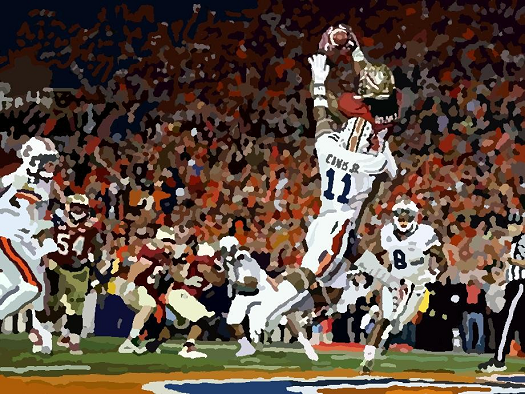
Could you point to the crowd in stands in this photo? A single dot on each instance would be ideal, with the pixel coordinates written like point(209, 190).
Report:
point(206, 124)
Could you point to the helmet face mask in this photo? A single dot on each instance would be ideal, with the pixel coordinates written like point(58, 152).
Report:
point(405, 215)
point(78, 212)
point(405, 221)
point(77, 208)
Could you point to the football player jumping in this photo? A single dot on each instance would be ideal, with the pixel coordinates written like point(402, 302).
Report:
point(414, 258)
point(350, 158)
point(24, 197)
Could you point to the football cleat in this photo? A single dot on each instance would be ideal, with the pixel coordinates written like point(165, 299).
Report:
point(366, 367)
point(492, 365)
point(36, 340)
point(191, 352)
point(74, 349)
point(128, 347)
point(63, 341)
point(246, 349)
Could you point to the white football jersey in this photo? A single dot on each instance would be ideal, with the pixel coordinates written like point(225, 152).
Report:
point(408, 255)
point(247, 267)
point(23, 206)
point(347, 167)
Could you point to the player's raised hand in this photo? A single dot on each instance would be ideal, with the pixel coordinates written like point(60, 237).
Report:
point(319, 67)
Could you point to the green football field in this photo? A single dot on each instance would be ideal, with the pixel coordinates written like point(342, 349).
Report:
point(101, 357)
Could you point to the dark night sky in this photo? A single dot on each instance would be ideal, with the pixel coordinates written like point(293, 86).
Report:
point(85, 12)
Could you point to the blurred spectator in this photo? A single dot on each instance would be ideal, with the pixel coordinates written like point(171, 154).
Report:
point(473, 316)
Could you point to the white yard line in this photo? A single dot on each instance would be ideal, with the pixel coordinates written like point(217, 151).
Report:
point(32, 368)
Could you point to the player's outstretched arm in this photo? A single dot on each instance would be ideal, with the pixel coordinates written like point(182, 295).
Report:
point(319, 74)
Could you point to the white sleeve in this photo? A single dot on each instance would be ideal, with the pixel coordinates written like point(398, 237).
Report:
point(7, 180)
point(432, 239)
point(391, 162)
point(328, 148)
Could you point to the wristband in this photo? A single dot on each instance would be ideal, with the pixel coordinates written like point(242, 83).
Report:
point(319, 90)
point(358, 55)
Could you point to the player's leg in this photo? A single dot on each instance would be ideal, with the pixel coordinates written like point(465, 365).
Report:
point(381, 330)
point(373, 343)
point(514, 304)
point(187, 306)
point(39, 334)
point(327, 238)
point(53, 309)
point(140, 300)
point(298, 331)
point(19, 284)
point(238, 311)
point(76, 287)
point(189, 349)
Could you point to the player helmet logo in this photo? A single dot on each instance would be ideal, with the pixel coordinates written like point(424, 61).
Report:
point(405, 214)
point(39, 156)
point(376, 81)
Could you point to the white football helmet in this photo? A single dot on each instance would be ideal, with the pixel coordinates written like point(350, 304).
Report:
point(229, 246)
point(405, 214)
point(36, 154)
point(229, 243)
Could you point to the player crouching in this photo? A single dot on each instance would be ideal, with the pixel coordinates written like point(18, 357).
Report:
point(193, 277)
point(143, 287)
point(255, 296)
point(413, 253)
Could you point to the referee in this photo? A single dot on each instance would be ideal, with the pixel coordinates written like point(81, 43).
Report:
point(514, 308)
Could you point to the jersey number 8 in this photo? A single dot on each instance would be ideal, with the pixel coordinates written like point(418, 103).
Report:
point(399, 260)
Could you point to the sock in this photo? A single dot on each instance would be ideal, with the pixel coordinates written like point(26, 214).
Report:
point(369, 353)
point(302, 339)
point(189, 343)
point(134, 332)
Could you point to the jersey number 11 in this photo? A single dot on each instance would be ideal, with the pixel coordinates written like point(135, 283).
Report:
point(329, 195)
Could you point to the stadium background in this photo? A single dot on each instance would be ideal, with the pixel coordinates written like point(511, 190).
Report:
point(200, 115)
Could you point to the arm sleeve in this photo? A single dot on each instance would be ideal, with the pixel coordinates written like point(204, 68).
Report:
point(519, 253)
point(6, 181)
point(432, 240)
point(328, 148)
point(324, 123)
